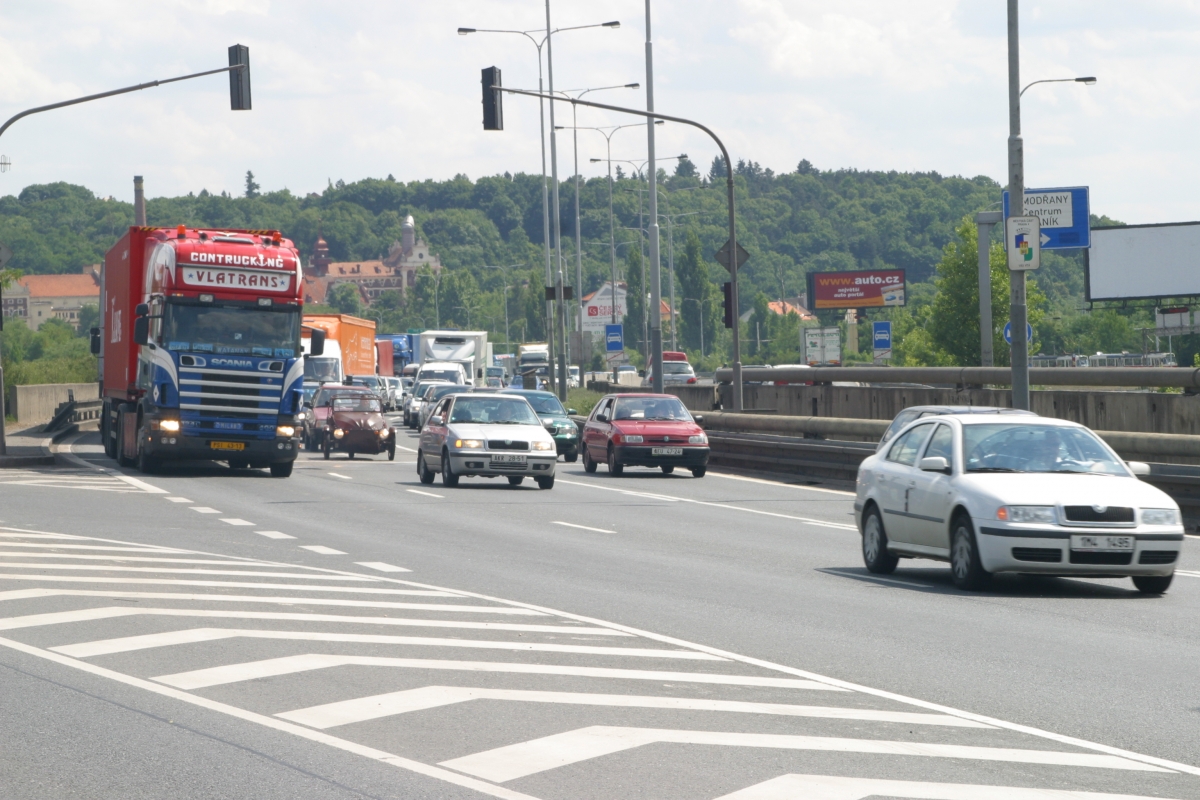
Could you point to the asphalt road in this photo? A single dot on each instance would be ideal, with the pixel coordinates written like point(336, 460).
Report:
point(349, 632)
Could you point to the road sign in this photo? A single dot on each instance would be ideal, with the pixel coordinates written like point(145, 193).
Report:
point(1008, 332)
point(882, 336)
point(5, 254)
point(723, 256)
point(614, 339)
point(1022, 242)
point(1065, 215)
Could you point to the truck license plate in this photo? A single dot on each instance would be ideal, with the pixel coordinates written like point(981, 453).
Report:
point(227, 445)
point(1101, 542)
point(666, 451)
point(506, 459)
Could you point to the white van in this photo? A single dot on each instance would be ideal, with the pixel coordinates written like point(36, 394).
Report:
point(451, 371)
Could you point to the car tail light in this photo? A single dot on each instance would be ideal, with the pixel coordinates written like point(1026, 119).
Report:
point(691, 380)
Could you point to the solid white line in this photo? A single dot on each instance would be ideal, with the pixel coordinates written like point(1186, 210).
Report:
point(290, 665)
point(54, 547)
point(339, 475)
point(236, 521)
point(204, 510)
point(1187, 573)
point(427, 494)
point(402, 447)
point(126, 644)
point(561, 749)
point(145, 487)
point(274, 535)
point(169, 571)
point(747, 479)
point(275, 724)
point(322, 549)
point(92, 557)
point(581, 527)
point(826, 787)
point(382, 567)
point(177, 499)
point(362, 709)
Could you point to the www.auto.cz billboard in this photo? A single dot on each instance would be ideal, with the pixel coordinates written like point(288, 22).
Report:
point(866, 288)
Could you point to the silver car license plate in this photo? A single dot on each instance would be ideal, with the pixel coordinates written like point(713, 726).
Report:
point(1090, 542)
point(508, 459)
point(666, 451)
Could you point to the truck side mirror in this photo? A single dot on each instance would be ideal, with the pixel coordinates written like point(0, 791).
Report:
point(316, 346)
point(142, 310)
point(95, 341)
point(141, 328)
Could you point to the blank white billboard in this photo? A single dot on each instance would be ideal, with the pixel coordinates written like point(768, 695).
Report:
point(1144, 261)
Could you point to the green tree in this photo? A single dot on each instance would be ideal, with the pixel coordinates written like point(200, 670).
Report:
point(251, 187)
point(89, 317)
point(699, 312)
point(346, 298)
point(635, 299)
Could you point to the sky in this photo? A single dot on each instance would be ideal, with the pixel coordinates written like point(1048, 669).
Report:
point(375, 87)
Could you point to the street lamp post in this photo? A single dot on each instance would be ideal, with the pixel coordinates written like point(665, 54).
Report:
point(655, 261)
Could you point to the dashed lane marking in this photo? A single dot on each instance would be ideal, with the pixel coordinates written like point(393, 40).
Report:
point(274, 535)
point(339, 475)
point(236, 521)
point(177, 499)
point(427, 494)
point(204, 510)
point(581, 527)
point(322, 549)
point(381, 566)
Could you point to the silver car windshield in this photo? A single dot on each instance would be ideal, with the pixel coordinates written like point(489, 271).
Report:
point(493, 410)
point(1003, 447)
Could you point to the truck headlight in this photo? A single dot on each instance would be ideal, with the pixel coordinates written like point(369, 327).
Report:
point(1160, 516)
point(286, 431)
point(1042, 514)
point(468, 444)
point(542, 445)
point(169, 425)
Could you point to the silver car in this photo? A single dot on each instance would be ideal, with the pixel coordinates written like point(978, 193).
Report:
point(487, 435)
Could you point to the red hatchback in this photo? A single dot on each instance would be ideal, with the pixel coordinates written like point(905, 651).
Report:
point(644, 430)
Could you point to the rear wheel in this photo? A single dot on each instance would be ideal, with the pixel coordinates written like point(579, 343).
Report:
point(515, 480)
point(698, 472)
point(108, 432)
point(423, 471)
point(874, 545)
point(667, 470)
point(282, 469)
point(965, 567)
point(546, 483)
point(351, 455)
point(615, 468)
point(1152, 584)
point(449, 479)
point(589, 466)
point(122, 459)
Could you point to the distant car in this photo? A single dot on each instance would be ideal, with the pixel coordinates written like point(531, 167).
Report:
point(644, 430)
point(556, 420)
point(676, 370)
point(917, 412)
point(494, 376)
point(434, 394)
point(376, 384)
point(1009, 493)
point(316, 418)
point(412, 409)
point(450, 371)
point(487, 435)
point(356, 424)
point(573, 377)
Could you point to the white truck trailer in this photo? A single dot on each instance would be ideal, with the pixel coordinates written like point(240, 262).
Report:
point(469, 348)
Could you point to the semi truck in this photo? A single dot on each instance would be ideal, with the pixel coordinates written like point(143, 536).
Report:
point(349, 347)
point(469, 348)
point(200, 348)
point(402, 349)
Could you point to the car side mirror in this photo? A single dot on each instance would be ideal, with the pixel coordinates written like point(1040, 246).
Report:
point(571, 412)
point(1138, 467)
point(316, 345)
point(602, 417)
point(699, 418)
point(436, 419)
point(141, 328)
point(934, 464)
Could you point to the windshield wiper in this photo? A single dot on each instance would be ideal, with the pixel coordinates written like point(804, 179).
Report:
point(990, 469)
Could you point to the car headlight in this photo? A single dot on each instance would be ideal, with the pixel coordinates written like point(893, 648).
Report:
point(338, 433)
point(542, 445)
point(468, 444)
point(1160, 516)
point(1042, 514)
point(383, 433)
point(631, 438)
point(699, 439)
point(169, 425)
point(286, 431)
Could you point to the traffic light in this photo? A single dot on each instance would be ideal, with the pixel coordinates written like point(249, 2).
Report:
point(493, 105)
point(239, 79)
point(730, 314)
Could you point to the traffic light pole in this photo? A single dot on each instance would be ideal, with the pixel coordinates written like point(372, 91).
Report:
point(653, 115)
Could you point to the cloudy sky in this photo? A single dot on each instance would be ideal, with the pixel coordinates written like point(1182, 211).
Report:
point(345, 90)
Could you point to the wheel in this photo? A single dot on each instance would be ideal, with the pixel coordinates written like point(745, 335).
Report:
point(965, 567)
point(282, 469)
point(108, 432)
point(614, 468)
point(423, 472)
point(515, 480)
point(698, 472)
point(146, 463)
point(589, 466)
point(1152, 584)
point(571, 458)
point(667, 470)
point(351, 456)
point(546, 483)
point(122, 459)
point(325, 446)
point(874, 545)
point(449, 479)
point(391, 451)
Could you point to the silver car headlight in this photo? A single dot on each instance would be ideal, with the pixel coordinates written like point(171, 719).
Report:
point(1160, 516)
point(468, 444)
point(1042, 514)
point(542, 445)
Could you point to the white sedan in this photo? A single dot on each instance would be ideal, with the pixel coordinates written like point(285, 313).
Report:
point(1014, 494)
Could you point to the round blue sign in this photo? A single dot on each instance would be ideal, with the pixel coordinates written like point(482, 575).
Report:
point(1008, 332)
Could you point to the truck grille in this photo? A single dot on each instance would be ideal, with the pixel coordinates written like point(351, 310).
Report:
point(229, 394)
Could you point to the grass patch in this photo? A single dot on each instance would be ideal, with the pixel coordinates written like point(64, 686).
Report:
point(582, 400)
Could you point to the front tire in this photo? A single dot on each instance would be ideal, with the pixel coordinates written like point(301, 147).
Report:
point(589, 466)
point(874, 545)
point(282, 469)
point(423, 471)
point(325, 446)
point(546, 483)
point(391, 451)
point(1153, 584)
point(965, 567)
point(615, 468)
point(515, 480)
point(699, 472)
point(449, 479)
point(146, 463)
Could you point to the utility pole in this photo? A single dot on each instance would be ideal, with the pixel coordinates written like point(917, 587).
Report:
point(1018, 313)
point(984, 221)
point(560, 330)
point(655, 265)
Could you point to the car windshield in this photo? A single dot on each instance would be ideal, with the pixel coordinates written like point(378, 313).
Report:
point(356, 402)
point(495, 372)
point(407, 383)
point(369, 380)
point(545, 404)
point(1006, 447)
point(441, 390)
point(651, 408)
point(309, 392)
point(493, 410)
point(214, 328)
point(440, 375)
point(423, 386)
point(677, 368)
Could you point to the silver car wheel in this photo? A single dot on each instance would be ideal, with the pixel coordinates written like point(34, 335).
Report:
point(960, 557)
point(871, 538)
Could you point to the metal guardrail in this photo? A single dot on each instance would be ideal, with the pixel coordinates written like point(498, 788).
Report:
point(73, 412)
point(1161, 377)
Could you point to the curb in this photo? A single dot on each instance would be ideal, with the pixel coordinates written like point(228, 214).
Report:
point(47, 458)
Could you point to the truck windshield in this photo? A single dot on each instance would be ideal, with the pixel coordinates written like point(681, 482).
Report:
point(321, 369)
point(232, 330)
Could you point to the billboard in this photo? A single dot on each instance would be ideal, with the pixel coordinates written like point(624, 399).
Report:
point(1143, 261)
point(598, 307)
point(865, 288)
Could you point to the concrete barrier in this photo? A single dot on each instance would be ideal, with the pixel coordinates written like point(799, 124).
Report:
point(37, 403)
point(698, 398)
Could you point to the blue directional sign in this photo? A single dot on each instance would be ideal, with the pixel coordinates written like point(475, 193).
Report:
point(1064, 214)
point(614, 339)
point(1008, 332)
point(882, 335)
